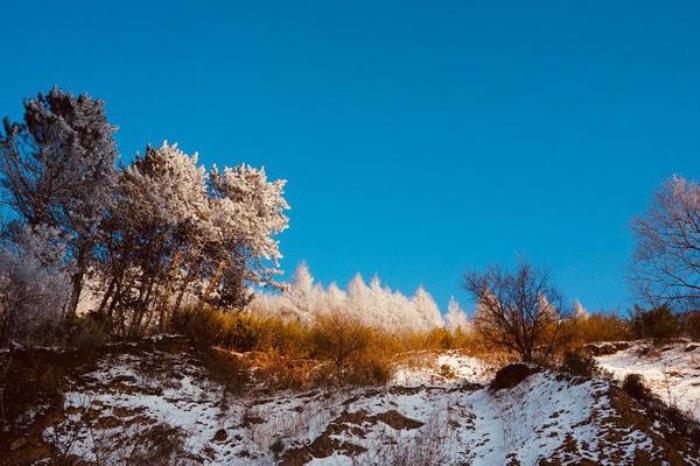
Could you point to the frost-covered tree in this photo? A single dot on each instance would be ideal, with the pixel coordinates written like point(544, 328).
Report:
point(358, 294)
point(580, 312)
point(427, 312)
point(176, 232)
point(151, 235)
point(35, 282)
point(248, 212)
point(373, 305)
point(57, 167)
point(302, 297)
point(666, 261)
point(335, 297)
point(154, 234)
point(456, 318)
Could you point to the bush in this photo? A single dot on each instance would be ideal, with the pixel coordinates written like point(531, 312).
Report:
point(691, 324)
point(633, 384)
point(595, 328)
point(89, 331)
point(580, 363)
point(353, 348)
point(659, 324)
point(511, 375)
point(359, 355)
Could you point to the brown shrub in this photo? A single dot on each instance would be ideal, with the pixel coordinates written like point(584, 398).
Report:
point(595, 328)
point(633, 384)
point(659, 323)
point(335, 348)
point(691, 324)
point(580, 363)
point(511, 375)
point(357, 351)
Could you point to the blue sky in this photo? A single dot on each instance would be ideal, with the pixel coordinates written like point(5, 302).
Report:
point(418, 138)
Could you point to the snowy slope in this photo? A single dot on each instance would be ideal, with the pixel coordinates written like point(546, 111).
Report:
point(142, 408)
point(671, 371)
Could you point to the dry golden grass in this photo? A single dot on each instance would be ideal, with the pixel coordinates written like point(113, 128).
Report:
point(338, 349)
point(595, 328)
point(335, 349)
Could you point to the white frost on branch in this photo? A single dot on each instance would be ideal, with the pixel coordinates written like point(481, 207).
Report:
point(34, 284)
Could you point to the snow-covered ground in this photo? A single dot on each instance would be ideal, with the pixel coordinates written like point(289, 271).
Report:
point(671, 371)
point(135, 405)
point(428, 368)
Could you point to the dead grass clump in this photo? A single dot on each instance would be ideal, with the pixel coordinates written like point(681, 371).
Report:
point(335, 349)
point(226, 369)
point(360, 354)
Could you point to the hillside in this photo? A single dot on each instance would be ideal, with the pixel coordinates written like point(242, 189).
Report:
point(671, 371)
point(161, 401)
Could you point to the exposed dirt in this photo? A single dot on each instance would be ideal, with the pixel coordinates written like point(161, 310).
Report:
point(327, 444)
point(602, 349)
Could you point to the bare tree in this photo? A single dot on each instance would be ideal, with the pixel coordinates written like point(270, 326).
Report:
point(518, 311)
point(666, 261)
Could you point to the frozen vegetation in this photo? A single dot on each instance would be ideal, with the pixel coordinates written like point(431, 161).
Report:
point(374, 304)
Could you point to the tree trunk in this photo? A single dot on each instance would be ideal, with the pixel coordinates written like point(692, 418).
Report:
point(81, 263)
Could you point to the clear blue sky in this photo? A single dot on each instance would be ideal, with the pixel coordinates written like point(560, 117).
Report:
point(418, 138)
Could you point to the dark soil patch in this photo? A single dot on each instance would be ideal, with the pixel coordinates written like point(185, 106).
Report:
point(405, 390)
point(251, 420)
point(397, 421)
point(691, 347)
point(353, 422)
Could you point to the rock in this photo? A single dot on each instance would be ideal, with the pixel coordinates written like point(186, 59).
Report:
point(220, 435)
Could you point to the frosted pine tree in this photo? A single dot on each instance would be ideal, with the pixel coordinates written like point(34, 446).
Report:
point(157, 234)
point(427, 311)
point(302, 297)
point(580, 312)
point(250, 211)
point(57, 166)
point(358, 294)
point(456, 318)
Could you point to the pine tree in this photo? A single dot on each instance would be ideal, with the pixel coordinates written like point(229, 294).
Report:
point(580, 312)
point(57, 167)
point(427, 311)
point(456, 318)
point(156, 234)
